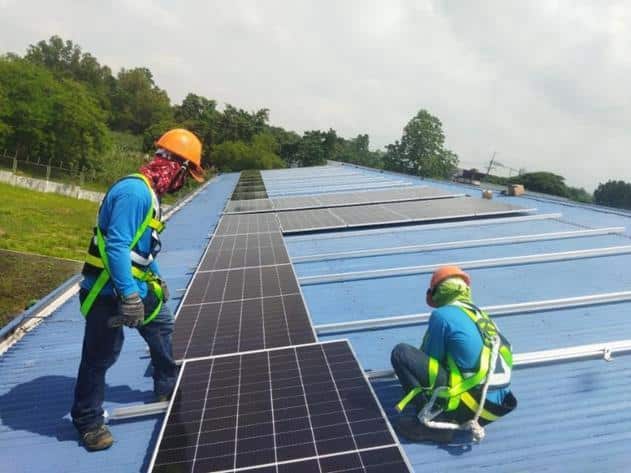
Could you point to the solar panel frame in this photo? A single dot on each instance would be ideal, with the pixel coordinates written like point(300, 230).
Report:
point(261, 432)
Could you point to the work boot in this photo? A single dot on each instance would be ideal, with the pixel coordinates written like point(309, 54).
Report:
point(410, 428)
point(98, 438)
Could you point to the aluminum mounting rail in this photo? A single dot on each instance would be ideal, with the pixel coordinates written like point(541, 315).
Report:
point(604, 350)
point(520, 360)
point(138, 410)
point(450, 245)
point(472, 264)
point(423, 227)
point(494, 310)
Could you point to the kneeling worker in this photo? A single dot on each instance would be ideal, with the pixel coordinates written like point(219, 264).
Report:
point(122, 283)
point(453, 366)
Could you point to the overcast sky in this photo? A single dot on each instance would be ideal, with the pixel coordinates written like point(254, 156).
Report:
point(545, 84)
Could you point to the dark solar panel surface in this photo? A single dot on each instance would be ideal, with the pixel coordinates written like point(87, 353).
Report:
point(237, 326)
point(383, 214)
point(241, 283)
point(300, 220)
point(248, 205)
point(244, 295)
point(247, 223)
point(366, 214)
point(292, 409)
point(252, 249)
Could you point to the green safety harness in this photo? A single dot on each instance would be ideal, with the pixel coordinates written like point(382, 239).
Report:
point(96, 260)
point(459, 385)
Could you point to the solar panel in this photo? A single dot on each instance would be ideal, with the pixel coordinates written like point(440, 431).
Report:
point(240, 326)
point(366, 214)
point(338, 199)
point(290, 409)
point(252, 205)
point(252, 249)
point(384, 214)
point(241, 283)
point(301, 220)
point(247, 223)
point(296, 202)
point(244, 296)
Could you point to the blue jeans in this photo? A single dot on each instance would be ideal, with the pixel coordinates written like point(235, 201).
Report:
point(101, 347)
point(411, 366)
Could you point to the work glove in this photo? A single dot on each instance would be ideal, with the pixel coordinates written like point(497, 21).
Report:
point(131, 311)
point(165, 290)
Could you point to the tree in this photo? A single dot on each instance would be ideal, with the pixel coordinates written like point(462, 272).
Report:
point(614, 194)
point(236, 124)
point(67, 61)
point(421, 150)
point(200, 115)
point(288, 143)
point(47, 118)
point(316, 147)
point(238, 155)
point(545, 182)
point(138, 102)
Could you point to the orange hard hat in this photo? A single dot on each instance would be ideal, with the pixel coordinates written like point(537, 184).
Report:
point(186, 145)
point(441, 274)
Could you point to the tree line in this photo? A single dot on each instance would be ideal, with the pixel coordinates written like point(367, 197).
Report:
point(59, 103)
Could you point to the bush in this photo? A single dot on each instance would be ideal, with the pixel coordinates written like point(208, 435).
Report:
point(237, 155)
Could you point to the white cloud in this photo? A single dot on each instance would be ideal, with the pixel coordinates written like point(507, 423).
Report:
point(543, 83)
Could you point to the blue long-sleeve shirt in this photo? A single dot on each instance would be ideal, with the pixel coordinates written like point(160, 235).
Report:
point(122, 212)
point(450, 330)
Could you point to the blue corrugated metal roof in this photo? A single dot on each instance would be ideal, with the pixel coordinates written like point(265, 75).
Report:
point(571, 416)
point(37, 374)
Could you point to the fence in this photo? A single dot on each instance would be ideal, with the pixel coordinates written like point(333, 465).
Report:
point(47, 170)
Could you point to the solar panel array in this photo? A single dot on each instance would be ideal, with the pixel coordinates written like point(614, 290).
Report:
point(337, 199)
point(398, 212)
point(250, 186)
point(244, 295)
point(256, 392)
point(298, 409)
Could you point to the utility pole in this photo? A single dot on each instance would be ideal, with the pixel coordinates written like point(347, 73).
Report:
point(491, 162)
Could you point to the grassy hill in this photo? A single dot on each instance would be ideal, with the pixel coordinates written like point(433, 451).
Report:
point(34, 222)
point(25, 278)
point(45, 224)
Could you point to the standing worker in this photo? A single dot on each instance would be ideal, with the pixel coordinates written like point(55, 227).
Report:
point(453, 363)
point(122, 283)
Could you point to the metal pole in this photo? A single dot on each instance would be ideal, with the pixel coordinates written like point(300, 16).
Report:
point(425, 227)
point(473, 264)
point(458, 244)
point(546, 357)
point(497, 310)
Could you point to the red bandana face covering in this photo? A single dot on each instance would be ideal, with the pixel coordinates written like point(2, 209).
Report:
point(167, 175)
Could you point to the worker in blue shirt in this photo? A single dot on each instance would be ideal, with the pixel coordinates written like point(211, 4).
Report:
point(454, 363)
point(122, 284)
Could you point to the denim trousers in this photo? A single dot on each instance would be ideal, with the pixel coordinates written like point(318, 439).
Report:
point(101, 348)
point(411, 366)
